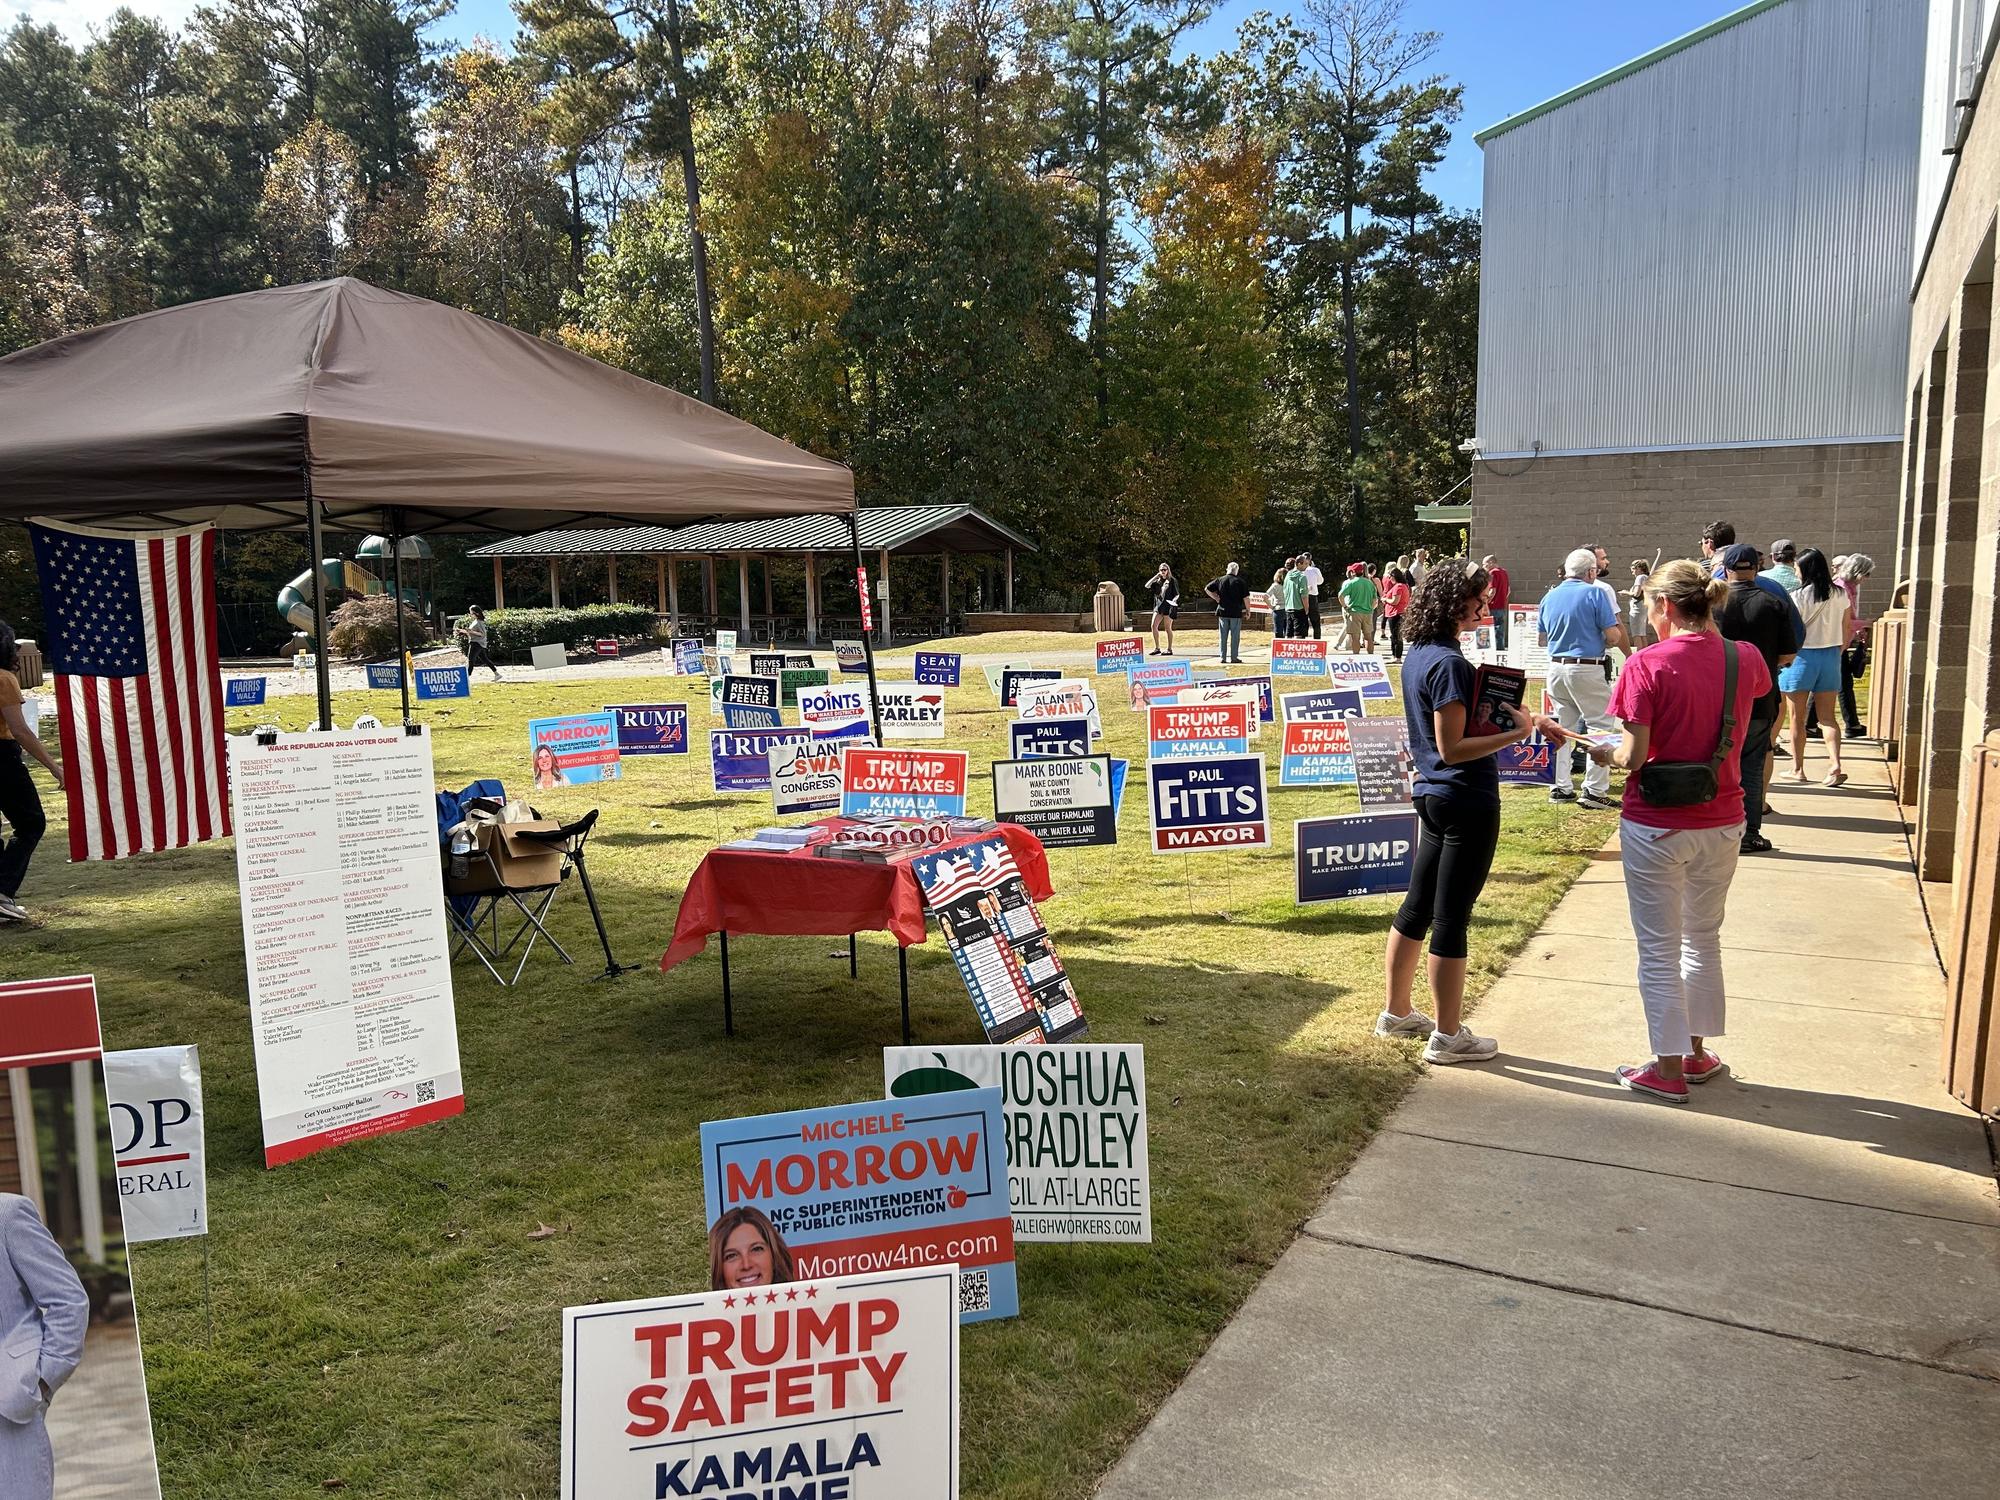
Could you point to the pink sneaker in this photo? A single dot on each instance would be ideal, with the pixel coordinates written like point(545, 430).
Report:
point(1649, 1080)
point(1702, 1068)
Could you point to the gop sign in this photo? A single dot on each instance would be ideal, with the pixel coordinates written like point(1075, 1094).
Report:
point(1298, 658)
point(1215, 802)
point(1175, 729)
point(156, 1135)
point(1120, 655)
point(1359, 854)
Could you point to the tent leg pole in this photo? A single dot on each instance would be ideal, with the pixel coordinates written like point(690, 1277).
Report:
point(402, 635)
point(867, 646)
point(322, 626)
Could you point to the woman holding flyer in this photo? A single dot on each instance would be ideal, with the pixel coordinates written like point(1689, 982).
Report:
point(1457, 801)
point(1681, 703)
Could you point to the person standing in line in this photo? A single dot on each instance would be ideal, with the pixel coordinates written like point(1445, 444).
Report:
point(1357, 603)
point(1313, 579)
point(1750, 614)
point(1501, 584)
point(1783, 572)
point(1375, 616)
point(1395, 600)
point(1420, 564)
point(473, 629)
point(1166, 592)
point(1848, 572)
point(44, 1315)
point(1457, 800)
point(1636, 629)
point(1281, 616)
point(1682, 703)
point(1815, 671)
point(1229, 591)
point(1295, 581)
point(20, 803)
point(1579, 625)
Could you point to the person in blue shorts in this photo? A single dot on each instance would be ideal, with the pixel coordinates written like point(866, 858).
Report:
point(1815, 671)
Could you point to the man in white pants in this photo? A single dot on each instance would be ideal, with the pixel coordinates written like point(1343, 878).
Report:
point(1579, 626)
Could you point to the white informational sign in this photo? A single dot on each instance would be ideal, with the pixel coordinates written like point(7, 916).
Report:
point(725, 641)
point(846, 1387)
point(1063, 698)
point(1076, 1130)
point(910, 711)
point(156, 1133)
point(1524, 647)
point(804, 778)
point(344, 937)
point(547, 658)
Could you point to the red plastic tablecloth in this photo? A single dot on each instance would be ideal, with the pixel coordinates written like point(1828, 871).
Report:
point(794, 892)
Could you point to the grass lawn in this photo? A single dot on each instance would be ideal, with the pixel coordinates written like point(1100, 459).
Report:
point(385, 1316)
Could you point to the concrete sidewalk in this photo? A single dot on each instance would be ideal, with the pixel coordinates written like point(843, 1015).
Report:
point(1535, 1284)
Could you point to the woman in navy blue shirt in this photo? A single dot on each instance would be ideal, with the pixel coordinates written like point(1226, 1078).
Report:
point(1457, 798)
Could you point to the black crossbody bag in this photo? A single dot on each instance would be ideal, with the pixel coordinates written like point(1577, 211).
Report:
point(1683, 783)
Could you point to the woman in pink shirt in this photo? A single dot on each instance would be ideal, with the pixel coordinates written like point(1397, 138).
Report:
point(1395, 600)
point(1680, 843)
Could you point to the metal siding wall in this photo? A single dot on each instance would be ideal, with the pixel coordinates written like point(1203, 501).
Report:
point(1715, 249)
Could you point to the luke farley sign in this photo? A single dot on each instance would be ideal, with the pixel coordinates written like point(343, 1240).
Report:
point(833, 1389)
point(1076, 1130)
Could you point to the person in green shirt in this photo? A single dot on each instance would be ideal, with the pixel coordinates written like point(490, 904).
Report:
point(1358, 597)
point(1295, 594)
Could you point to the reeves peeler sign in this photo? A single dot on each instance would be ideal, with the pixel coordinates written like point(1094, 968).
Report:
point(878, 1186)
point(839, 1388)
point(903, 783)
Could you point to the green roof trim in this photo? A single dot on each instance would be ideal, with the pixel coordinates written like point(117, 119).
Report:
point(1626, 70)
point(1450, 515)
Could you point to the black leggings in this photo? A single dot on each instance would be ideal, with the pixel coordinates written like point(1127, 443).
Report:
point(21, 806)
point(1454, 852)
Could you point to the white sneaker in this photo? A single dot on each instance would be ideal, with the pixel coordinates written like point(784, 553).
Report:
point(1464, 1047)
point(12, 910)
point(1416, 1023)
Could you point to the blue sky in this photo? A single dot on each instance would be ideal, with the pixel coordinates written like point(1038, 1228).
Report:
point(1509, 54)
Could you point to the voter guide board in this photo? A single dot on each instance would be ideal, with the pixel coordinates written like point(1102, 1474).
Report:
point(1077, 1166)
point(838, 1388)
point(883, 1185)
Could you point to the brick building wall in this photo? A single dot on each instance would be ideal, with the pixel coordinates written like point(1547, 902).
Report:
point(1840, 497)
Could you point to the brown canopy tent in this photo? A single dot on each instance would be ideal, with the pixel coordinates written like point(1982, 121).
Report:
point(339, 403)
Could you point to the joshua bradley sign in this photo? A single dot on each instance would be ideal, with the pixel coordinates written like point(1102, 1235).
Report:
point(877, 1186)
point(840, 1388)
point(1076, 1130)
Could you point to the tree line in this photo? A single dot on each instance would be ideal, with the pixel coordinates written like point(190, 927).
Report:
point(1031, 255)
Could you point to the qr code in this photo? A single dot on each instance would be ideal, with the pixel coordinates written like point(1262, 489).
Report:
point(975, 1294)
point(427, 1093)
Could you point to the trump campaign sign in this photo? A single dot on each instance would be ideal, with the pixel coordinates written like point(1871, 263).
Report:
point(156, 1136)
point(937, 668)
point(1198, 729)
point(1297, 658)
point(911, 711)
point(1120, 655)
point(1530, 762)
point(1215, 802)
point(650, 728)
point(836, 1388)
point(1033, 737)
point(1316, 753)
point(902, 783)
point(1359, 854)
point(835, 704)
point(739, 759)
point(1366, 674)
point(854, 1188)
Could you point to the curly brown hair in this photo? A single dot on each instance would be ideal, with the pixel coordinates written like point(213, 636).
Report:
point(1433, 614)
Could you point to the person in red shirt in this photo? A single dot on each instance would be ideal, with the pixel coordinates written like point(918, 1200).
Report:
point(1679, 857)
point(1499, 602)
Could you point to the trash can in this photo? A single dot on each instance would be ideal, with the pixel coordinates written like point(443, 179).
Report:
point(29, 669)
point(1108, 608)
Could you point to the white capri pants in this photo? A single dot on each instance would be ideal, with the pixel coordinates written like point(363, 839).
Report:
point(1677, 884)
point(1583, 699)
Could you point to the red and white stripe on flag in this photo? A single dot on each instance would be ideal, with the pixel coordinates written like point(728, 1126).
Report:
point(138, 686)
point(49, 1021)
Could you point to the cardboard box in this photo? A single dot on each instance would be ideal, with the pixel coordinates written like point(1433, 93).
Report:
point(520, 863)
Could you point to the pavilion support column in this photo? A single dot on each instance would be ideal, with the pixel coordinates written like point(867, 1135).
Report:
point(611, 575)
point(944, 580)
point(659, 585)
point(499, 585)
point(743, 592)
point(888, 634)
point(670, 570)
point(769, 607)
point(555, 586)
point(708, 601)
point(812, 600)
point(1009, 595)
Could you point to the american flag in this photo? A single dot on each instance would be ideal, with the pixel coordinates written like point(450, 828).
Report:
point(131, 641)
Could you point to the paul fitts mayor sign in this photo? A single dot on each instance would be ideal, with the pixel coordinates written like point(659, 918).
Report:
point(1361, 854)
point(840, 1388)
point(156, 1134)
point(903, 783)
point(879, 1186)
point(1031, 737)
point(1198, 729)
point(1077, 1166)
point(1216, 802)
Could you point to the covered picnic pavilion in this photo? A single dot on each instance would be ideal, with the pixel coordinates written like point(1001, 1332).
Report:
point(885, 531)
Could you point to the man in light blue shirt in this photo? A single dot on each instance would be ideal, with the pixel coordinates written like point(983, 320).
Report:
point(1579, 624)
point(1782, 572)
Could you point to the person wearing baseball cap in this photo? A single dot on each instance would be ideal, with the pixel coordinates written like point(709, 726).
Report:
point(1783, 557)
point(1750, 614)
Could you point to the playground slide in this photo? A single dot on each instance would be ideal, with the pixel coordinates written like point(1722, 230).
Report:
point(342, 579)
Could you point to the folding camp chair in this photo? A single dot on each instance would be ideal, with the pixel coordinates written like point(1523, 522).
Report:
point(496, 872)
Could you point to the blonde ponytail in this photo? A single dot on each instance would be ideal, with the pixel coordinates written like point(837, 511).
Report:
point(1688, 589)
